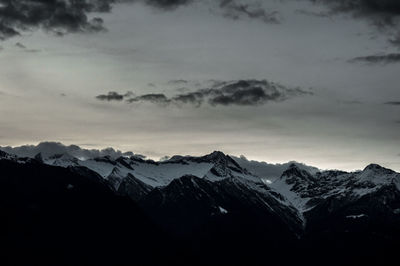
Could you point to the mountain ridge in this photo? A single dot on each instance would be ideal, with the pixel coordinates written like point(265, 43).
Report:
point(297, 186)
point(212, 205)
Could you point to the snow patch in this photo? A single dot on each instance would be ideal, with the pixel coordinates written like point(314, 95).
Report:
point(222, 210)
point(294, 198)
point(356, 216)
point(266, 181)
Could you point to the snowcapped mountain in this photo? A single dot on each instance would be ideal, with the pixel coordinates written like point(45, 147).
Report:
point(270, 172)
point(299, 186)
point(305, 191)
point(215, 166)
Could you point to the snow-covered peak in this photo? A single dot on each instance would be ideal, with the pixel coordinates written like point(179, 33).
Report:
point(375, 174)
point(214, 157)
point(304, 190)
point(214, 166)
point(294, 185)
point(154, 174)
point(269, 171)
point(376, 168)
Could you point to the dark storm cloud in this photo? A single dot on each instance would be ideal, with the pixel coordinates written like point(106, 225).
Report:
point(385, 14)
point(68, 16)
point(250, 96)
point(111, 96)
point(167, 4)
point(240, 93)
point(251, 92)
point(393, 103)
point(378, 59)
point(192, 98)
point(56, 148)
point(71, 16)
point(236, 10)
point(156, 98)
point(58, 16)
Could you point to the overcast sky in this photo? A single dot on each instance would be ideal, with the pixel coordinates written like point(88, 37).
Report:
point(312, 81)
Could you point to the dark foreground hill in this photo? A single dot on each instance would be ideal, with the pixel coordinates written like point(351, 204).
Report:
point(54, 216)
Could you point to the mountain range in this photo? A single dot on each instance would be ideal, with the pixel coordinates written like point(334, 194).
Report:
point(209, 210)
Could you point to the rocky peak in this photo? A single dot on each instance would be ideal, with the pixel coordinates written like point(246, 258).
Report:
point(373, 166)
point(215, 156)
point(376, 168)
point(219, 157)
point(376, 174)
point(124, 162)
point(105, 159)
point(115, 171)
point(294, 175)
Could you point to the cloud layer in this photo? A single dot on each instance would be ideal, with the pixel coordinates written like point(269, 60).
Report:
point(55, 148)
point(68, 16)
point(71, 16)
point(240, 93)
